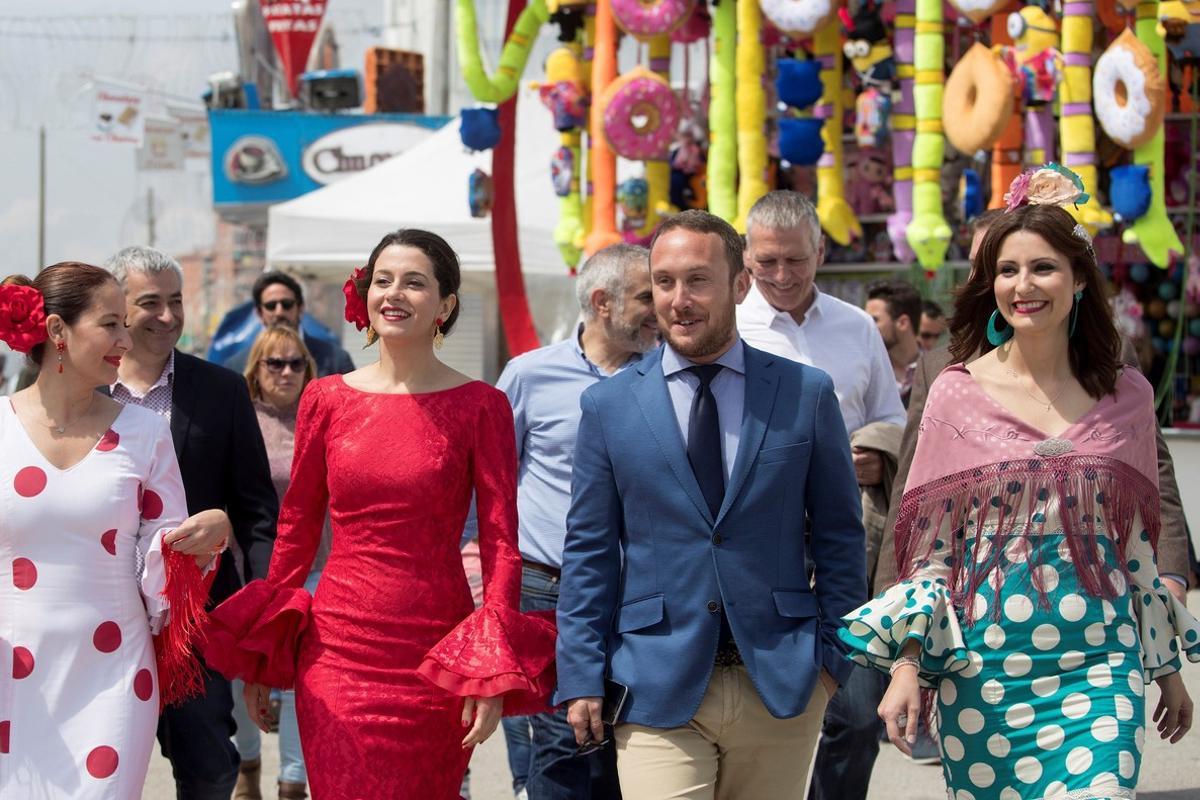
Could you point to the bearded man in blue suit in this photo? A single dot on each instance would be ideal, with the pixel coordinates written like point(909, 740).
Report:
point(714, 541)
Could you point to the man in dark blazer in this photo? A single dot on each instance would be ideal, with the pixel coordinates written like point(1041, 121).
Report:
point(279, 300)
point(1174, 563)
point(225, 472)
point(685, 570)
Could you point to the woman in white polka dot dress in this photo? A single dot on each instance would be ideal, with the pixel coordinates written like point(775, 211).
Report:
point(1031, 601)
point(89, 493)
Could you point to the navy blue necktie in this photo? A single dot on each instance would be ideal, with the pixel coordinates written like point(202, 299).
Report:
point(704, 439)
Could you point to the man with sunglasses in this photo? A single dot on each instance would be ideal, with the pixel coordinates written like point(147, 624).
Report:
point(279, 300)
point(933, 325)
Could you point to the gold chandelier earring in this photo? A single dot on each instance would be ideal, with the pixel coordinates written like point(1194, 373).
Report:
point(371, 335)
point(438, 336)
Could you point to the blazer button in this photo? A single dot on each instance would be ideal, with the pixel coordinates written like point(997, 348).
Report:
point(716, 539)
point(713, 606)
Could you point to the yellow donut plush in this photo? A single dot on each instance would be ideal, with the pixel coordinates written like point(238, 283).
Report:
point(978, 100)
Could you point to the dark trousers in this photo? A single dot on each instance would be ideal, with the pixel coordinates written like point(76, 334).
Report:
point(555, 772)
point(195, 737)
point(849, 738)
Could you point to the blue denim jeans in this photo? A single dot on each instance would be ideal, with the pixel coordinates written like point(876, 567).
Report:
point(555, 772)
point(248, 738)
point(849, 738)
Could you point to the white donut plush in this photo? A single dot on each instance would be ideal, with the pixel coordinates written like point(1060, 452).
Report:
point(798, 17)
point(1128, 92)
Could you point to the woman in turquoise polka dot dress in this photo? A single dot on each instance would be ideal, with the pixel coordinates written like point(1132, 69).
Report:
point(1031, 600)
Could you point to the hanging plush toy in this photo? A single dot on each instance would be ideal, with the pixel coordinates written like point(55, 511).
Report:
point(563, 92)
point(479, 193)
point(633, 202)
point(1037, 64)
point(868, 48)
point(687, 164)
point(868, 190)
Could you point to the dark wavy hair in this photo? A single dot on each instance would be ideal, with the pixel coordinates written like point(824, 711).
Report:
point(1095, 348)
point(68, 289)
point(446, 270)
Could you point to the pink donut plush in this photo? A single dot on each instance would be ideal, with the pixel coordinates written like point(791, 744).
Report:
point(646, 19)
point(641, 115)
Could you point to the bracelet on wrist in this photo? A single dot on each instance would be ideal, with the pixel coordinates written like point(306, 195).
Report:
point(903, 661)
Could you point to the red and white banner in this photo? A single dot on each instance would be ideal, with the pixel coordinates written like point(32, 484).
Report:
point(293, 25)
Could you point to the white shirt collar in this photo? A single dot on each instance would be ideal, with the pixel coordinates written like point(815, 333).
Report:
point(763, 311)
point(734, 358)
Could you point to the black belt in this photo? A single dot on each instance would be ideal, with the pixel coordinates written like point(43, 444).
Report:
point(545, 569)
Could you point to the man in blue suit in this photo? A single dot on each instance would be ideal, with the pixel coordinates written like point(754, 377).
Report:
point(686, 569)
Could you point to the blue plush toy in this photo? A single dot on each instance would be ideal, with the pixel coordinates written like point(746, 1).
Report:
point(799, 82)
point(1129, 191)
point(800, 140)
point(480, 129)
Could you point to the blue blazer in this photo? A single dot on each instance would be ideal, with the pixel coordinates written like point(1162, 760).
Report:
point(646, 568)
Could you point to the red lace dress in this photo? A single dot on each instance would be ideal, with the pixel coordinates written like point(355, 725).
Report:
point(391, 642)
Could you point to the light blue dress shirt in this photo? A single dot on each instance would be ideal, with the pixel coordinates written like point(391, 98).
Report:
point(729, 389)
point(544, 386)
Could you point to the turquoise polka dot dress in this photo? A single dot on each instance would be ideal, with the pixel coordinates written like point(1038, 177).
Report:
point(1042, 696)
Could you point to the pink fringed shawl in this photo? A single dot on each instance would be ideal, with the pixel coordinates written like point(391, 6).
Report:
point(976, 462)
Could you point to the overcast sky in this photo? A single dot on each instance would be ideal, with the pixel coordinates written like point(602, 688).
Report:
point(96, 199)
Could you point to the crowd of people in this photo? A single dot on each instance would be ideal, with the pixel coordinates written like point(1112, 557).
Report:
point(679, 515)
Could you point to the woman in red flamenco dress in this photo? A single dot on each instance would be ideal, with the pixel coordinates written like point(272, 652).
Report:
point(397, 677)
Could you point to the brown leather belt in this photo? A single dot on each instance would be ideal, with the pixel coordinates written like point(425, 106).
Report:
point(545, 569)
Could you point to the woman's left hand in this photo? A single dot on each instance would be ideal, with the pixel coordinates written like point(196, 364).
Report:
point(1174, 711)
point(201, 534)
point(485, 713)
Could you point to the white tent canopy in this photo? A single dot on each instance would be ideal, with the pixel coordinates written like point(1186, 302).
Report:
point(334, 228)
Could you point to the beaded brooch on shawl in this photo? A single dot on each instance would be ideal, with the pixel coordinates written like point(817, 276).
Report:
point(979, 471)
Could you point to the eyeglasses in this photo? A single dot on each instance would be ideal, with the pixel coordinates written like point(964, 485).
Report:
point(591, 747)
point(277, 365)
point(287, 305)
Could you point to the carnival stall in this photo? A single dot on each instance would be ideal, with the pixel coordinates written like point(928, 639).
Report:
point(903, 119)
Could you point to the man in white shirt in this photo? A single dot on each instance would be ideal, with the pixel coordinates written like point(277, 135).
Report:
point(785, 314)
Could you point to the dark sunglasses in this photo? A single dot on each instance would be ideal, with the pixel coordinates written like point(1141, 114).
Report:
point(288, 305)
point(278, 364)
point(591, 747)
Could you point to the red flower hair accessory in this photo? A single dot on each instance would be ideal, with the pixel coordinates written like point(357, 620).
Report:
point(22, 317)
point(356, 307)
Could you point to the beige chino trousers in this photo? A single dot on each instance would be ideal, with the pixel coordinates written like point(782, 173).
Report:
point(733, 749)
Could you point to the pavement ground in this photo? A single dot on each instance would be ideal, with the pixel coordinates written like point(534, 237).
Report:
point(1169, 772)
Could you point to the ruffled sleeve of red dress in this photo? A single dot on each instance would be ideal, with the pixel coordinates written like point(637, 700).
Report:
point(255, 634)
point(497, 650)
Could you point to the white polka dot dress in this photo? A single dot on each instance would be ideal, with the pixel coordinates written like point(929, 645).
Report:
point(1042, 696)
point(81, 577)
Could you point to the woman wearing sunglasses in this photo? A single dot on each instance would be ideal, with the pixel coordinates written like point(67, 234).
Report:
point(278, 368)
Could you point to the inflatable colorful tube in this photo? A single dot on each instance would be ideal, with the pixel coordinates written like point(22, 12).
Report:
point(1153, 230)
point(751, 110)
point(604, 162)
point(1006, 153)
point(722, 115)
point(928, 233)
point(513, 57)
point(658, 170)
point(836, 215)
point(904, 131)
point(1077, 131)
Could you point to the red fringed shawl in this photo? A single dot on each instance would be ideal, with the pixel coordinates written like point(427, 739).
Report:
point(977, 463)
point(180, 673)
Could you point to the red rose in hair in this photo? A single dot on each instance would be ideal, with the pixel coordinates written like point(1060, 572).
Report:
point(356, 307)
point(22, 317)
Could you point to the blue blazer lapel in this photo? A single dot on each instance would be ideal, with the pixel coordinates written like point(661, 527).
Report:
point(762, 383)
point(655, 403)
